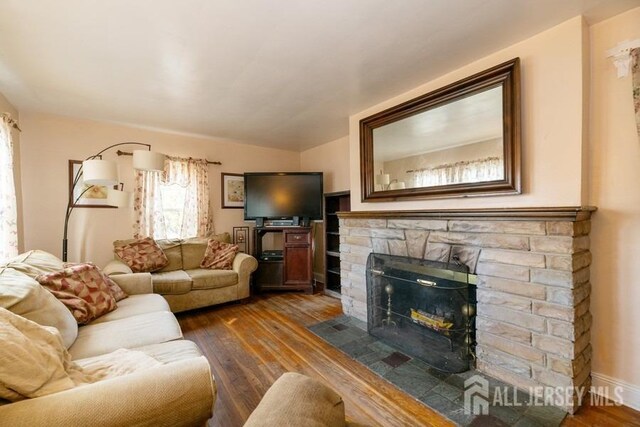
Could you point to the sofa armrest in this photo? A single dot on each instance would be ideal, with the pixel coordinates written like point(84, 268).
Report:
point(116, 267)
point(134, 283)
point(244, 265)
point(177, 394)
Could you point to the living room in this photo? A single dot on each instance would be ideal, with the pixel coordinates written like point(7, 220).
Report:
point(286, 88)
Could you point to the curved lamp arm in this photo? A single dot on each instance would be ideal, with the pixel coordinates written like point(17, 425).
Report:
point(71, 203)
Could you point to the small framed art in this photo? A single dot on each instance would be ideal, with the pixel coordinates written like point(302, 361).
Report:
point(232, 191)
point(241, 238)
point(94, 197)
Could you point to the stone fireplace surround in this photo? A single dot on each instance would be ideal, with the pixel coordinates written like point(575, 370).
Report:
point(533, 324)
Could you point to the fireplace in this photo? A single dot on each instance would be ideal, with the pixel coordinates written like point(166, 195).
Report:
point(425, 308)
point(532, 324)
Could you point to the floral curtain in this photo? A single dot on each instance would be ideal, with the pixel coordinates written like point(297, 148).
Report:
point(156, 217)
point(635, 72)
point(487, 169)
point(8, 207)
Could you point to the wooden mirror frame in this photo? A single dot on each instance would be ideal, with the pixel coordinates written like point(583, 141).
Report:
point(506, 75)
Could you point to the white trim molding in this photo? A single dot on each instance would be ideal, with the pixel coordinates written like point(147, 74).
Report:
point(630, 393)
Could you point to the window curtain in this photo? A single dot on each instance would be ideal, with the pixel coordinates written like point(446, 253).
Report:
point(488, 169)
point(190, 174)
point(635, 73)
point(8, 207)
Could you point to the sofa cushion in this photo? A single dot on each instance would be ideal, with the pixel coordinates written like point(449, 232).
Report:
point(172, 351)
point(130, 332)
point(297, 400)
point(24, 296)
point(115, 290)
point(33, 359)
point(141, 255)
point(83, 289)
point(134, 305)
point(171, 282)
point(219, 255)
point(36, 262)
point(211, 279)
point(172, 248)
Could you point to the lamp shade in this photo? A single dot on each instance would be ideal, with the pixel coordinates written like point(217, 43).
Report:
point(119, 198)
point(99, 172)
point(148, 160)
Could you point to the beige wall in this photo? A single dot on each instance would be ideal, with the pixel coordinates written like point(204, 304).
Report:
point(552, 117)
point(6, 107)
point(331, 158)
point(48, 142)
point(615, 238)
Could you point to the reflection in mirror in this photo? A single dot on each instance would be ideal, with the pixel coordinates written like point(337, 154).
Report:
point(458, 142)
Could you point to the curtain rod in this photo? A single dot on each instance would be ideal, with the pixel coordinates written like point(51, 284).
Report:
point(128, 153)
point(7, 117)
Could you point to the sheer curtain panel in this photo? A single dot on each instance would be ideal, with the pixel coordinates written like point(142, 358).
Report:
point(8, 208)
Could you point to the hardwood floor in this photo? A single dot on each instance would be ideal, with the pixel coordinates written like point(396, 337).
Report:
point(250, 345)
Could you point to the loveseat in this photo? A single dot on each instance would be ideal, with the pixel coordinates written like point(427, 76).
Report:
point(179, 391)
point(184, 284)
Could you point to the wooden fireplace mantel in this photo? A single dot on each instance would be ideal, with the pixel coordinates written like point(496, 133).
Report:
point(559, 213)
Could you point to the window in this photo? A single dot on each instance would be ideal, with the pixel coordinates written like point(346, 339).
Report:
point(8, 209)
point(174, 203)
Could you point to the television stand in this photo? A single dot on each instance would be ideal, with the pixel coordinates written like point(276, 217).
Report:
point(294, 271)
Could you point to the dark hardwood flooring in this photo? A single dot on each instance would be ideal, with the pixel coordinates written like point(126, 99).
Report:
point(250, 345)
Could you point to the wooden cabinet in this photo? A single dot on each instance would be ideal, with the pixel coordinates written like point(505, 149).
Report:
point(291, 271)
point(333, 203)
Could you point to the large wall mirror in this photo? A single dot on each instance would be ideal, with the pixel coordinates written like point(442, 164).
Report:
point(460, 140)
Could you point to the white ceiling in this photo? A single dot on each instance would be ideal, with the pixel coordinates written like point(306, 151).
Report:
point(280, 73)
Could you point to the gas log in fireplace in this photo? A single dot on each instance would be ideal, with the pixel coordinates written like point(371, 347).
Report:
point(425, 308)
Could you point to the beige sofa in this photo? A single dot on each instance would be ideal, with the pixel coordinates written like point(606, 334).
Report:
point(181, 392)
point(184, 284)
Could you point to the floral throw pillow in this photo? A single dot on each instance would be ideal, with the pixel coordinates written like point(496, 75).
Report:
point(115, 290)
point(82, 289)
point(142, 255)
point(219, 256)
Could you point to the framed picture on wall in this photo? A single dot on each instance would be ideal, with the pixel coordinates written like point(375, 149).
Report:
point(241, 238)
point(232, 191)
point(95, 195)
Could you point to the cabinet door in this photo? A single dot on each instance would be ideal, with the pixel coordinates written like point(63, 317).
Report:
point(297, 265)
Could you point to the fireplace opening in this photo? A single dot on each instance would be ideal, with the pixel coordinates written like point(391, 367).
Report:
point(425, 308)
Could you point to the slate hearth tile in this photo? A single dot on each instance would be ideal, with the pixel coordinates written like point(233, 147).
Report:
point(380, 346)
point(339, 338)
point(358, 347)
point(396, 359)
point(487, 421)
point(373, 357)
point(527, 422)
point(340, 327)
point(444, 406)
point(546, 415)
point(450, 392)
point(505, 413)
point(411, 379)
point(380, 368)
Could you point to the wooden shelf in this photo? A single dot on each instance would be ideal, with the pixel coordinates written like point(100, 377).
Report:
point(333, 203)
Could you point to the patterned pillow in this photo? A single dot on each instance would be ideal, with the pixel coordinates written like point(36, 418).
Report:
point(142, 255)
point(115, 290)
point(82, 289)
point(219, 256)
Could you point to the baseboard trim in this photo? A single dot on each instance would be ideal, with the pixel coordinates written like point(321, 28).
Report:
point(630, 392)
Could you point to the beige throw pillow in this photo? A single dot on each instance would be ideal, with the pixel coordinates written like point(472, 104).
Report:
point(24, 296)
point(219, 256)
point(142, 255)
point(83, 289)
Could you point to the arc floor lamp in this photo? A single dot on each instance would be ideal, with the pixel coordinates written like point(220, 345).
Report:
point(97, 171)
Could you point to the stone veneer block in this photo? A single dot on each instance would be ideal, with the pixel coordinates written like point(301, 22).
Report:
point(502, 227)
point(526, 259)
point(533, 323)
point(420, 224)
point(481, 240)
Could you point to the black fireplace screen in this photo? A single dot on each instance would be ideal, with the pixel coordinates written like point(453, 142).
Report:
point(425, 308)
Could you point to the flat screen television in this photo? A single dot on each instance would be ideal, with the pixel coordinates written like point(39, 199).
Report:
point(282, 196)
